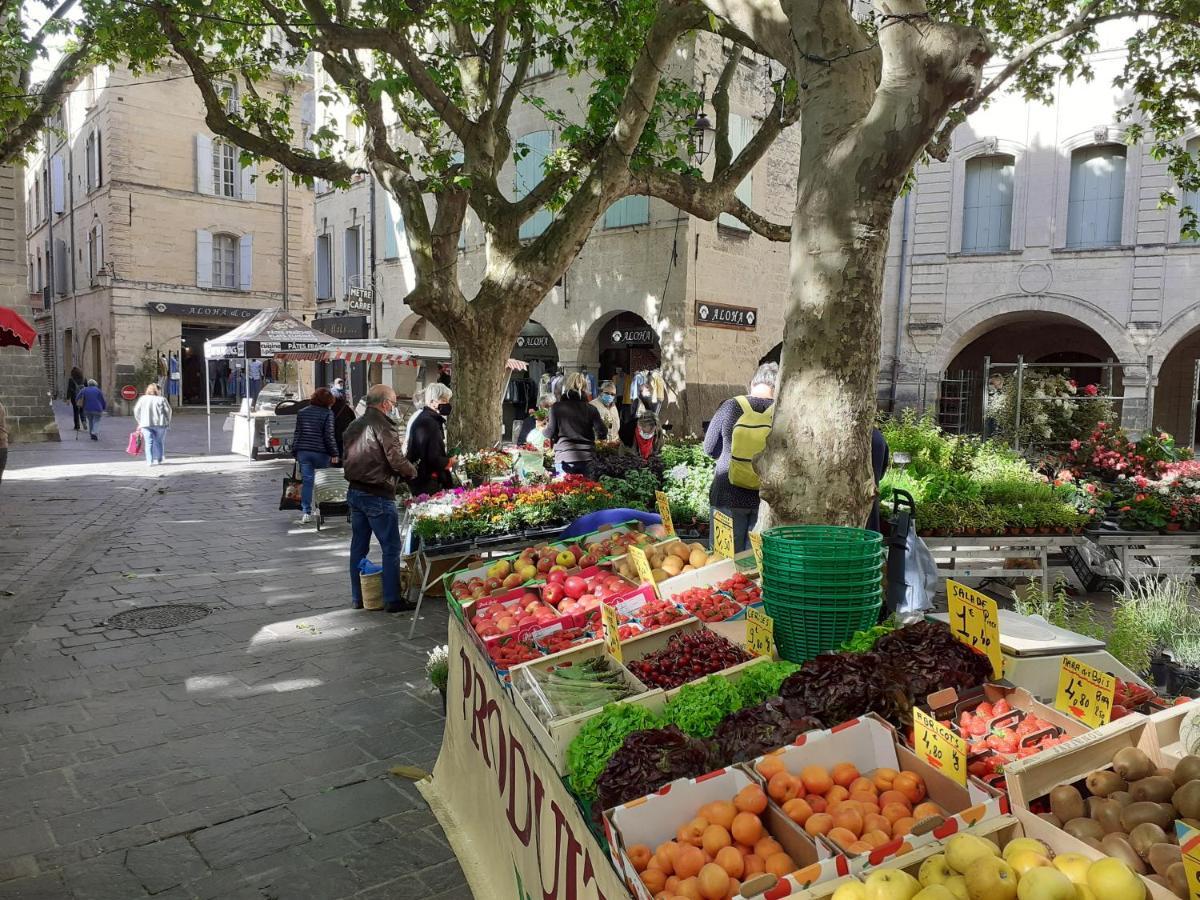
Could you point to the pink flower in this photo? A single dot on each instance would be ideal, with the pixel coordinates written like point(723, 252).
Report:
point(1075, 444)
point(1091, 390)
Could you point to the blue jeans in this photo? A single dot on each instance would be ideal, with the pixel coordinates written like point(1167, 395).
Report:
point(156, 442)
point(309, 461)
point(744, 521)
point(93, 420)
point(378, 516)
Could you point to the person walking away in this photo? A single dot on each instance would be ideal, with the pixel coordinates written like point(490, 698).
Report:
point(343, 415)
point(74, 386)
point(606, 405)
point(314, 445)
point(374, 461)
point(92, 402)
point(736, 435)
point(535, 422)
point(427, 443)
point(573, 428)
point(255, 368)
point(152, 413)
point(3, 440)
point(647, 437)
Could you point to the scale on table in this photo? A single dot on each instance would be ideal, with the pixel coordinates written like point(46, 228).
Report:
point(1033, 652)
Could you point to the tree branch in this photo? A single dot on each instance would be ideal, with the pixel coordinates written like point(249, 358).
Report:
point(761, 24)
point(14, 140)
point(723, 151)
point(704, 200)
point(524, 56)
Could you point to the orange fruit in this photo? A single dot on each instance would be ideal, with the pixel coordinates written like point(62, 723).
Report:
point(864, 797)
point(894, 797)
point(925, 810)
point(754, 865)
point(664, 858)
point(817, 780)
point(910, 785)
point(903, 826)
point(639, 855)
point(836, 792)
point(746, 828)
point(688, 862)
point(862, 783)
point(894, 811)
point(744, 849)
point(714, 882)
point(859, 847)
point(797, 810)
point(722, 813)
point(692, 832)
point(782, 787)
point(730, 859)
point(844, 774)
point(849, 819)
point(876, 822)
point(770, 765)
point(767, 846)
point(672, 883)
point(843, 837)
point(714, 840)
point(779, 864)
point(883, 778)
point(817, 802)
point(735, 888)
point(689, 889)
point(750, 799)
point(876, 838)
point(818, 823)
point(654, 880)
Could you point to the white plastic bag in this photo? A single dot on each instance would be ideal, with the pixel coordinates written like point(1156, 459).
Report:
point(920, 578)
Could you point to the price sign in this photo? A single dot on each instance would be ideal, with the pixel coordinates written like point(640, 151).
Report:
point(1084, 692)
point(756, 546)
point(939, 746)
point(975, 622)
point(664, 512)
point(612, 630)
point(760, 632)
point(1189, 846)
point(645, 573)
point(722, 535)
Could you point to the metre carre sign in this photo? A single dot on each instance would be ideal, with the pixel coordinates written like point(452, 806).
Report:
point(360, 299)
point(721, 316)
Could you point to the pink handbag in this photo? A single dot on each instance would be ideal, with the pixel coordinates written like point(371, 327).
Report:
point(135, 447)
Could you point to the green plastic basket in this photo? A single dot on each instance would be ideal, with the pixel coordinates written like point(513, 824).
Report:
point(818, 631)
point(820, 541)
point(849, 581)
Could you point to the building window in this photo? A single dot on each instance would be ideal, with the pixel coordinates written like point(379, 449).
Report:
point(224, 261)
point(987, 204)
point(324, 267)
point(95, 175)
point(352, 254)
point(1097, 199)
point(741, 130)
point(628, 211)
point(228, 92)
point(40, 283)
point(225, 169)
point(530, 171)
point(95, 251)
point(1191, 199)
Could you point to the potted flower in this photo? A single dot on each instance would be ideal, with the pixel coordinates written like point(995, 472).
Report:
point(437, 667)
point(1144, 511)
point(1183, 669)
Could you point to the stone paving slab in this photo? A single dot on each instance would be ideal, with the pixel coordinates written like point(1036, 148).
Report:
point(244, 755)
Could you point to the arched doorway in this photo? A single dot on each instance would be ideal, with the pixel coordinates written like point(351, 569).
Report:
point(537, 349)
point(629, 354)
point(1175, 409)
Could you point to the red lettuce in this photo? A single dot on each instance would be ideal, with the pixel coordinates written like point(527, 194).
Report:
point(836, 687)
point(749, 733)
point(649, 759)
point(929, 658)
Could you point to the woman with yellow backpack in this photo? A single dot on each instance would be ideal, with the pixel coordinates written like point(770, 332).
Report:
point(738, 433)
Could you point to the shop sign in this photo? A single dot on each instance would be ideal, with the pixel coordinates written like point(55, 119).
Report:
point(975, 621)
point(193, 310)
point(722, 535)
point(760, 632)
point(756, 546)
point(645, 573)
point(664, 512)
point(939, 746)
point(1084, 692)
point(721, 316)
point(612, 631)
point(343, 327)
point(533, 342)
point(1189, 846)
point(640, 337)
point(360, 299)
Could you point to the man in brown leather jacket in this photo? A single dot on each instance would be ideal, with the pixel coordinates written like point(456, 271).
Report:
point(373, 462)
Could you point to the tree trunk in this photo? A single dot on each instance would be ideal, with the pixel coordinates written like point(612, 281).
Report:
point(478, 377)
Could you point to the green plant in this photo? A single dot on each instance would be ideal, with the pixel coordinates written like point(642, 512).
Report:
point(1059, 608)
point(1185, 648)
point(147, 370)
point(1129, 640)
point(437, 666)
point(635, 490)
point(1054, 410)
point(1165, 605)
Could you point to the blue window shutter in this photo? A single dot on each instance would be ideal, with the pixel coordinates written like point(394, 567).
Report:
point(393, 228)
point(1096, 205)
point(204, 258)
point(987, 204)
point(245, 262)
point(628, 211)
point(1191, 199)
point(530, 171)
point(741, 129)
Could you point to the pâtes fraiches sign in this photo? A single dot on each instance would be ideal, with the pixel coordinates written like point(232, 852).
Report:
point(721, 316)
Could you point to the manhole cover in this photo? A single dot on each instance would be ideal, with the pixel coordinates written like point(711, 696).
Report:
point(158, 616)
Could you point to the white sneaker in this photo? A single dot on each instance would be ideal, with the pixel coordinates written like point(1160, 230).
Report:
point(306, 519)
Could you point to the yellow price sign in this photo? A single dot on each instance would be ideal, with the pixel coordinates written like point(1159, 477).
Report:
point(976, 622)
point(722, 536)
point(939, 746)
point(1084, 692)
point(612, 630)
point(664, 512)
point(760, 632)
point(645, 573)
point(756, 546)
point(1189, 846)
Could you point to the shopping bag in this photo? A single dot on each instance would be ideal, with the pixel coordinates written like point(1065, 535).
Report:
point(290, 498)
point(134, 447)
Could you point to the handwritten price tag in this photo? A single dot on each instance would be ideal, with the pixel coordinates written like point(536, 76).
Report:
point(939, 746)
point(756, 546)
point(1189, 845)
point(760, 632)
point(664, 512)
point(1084, 692)
point(612, 630)
point(975, 621)
point(722, 535)
point(645, 573)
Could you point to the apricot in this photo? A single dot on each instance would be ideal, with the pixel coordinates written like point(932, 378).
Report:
point(894, 797)
point(654, 880)
point(767, 846)
point(754, 865)
point(797, 810)
point(818, 803)
point(751, 799)
point(862, 783)
point(782, 787)
point(877, 822)
point(884, 778)
point(770, 766)
point(729, 859)
point(870, 808)
point(876, 838)
point(816, 780)
point(843, 837)
point(844, 774)
point(910, 785)
point(714, 840)
point(864, 798)
point(746, 828)
point(779, 865)
point(688, 862)
point(639, 855)
point(714, 882)
point(894, 811)
point(692, 832)
point(672, 884)
point(925, 810)
point(859, 847)
point(818, 823)
point(837, 792)
point(903, 826)
point(664, 859)
point(849, 819)
point(689, 889)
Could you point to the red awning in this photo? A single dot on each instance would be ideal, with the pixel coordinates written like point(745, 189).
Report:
point(14, 330)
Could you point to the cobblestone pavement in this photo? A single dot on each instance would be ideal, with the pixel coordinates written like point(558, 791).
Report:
point(243, 755)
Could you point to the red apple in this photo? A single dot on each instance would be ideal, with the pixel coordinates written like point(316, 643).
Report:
point(556, 577)
point(512, 581)
point(589, 601)
point(544, 564)
point(575, 587)
point(553, 593)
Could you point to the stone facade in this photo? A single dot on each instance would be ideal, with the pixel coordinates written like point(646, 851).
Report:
point(129, 212)
point(24, 389)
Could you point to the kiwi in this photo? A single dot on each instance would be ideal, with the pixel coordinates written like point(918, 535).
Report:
point(1122, 797)
point(1116, 845)
point(1094, 844)
point(1162, 856)
point(1104, 782)
point(1177, 880)
point(1133, 815)
point(1084, 828)
point(1145, 836)
point(1067, 803)
point(1164, 771)
point(1188, 768)
point(1106, 812)
point(1186, 799)
point(1155, 788)
point(1132, 764)
point(1051, 818)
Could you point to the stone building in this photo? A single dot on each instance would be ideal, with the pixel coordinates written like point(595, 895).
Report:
point(146, 236)
point(24, 387)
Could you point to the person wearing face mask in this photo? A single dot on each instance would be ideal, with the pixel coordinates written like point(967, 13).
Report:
point(573, 427)
point(427, 443)
point(374, 462)
point(647, 436)
point(606, 404)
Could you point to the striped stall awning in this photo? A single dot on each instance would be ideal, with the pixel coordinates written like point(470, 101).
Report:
point(410, 353)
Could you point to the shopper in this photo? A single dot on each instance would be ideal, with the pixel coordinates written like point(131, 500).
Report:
point(573, 428)
point(880, 457)
point(427, 442)
point(74, 386)
point(152, 413)
point(736, 435)
point(338, 387)
point(3, 440)
point(418, 402)
point(536, 422)
point(343, 415)
point(314, 445)
point(606, 405)
point(647, 436)
point(91, 401)
point(255, 369)
point(374, 461)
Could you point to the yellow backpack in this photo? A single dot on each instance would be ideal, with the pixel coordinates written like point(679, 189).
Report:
point(750, 434)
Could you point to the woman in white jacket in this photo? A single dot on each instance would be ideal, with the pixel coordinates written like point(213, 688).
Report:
point(152, 413)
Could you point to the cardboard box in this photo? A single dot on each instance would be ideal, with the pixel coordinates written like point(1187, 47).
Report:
point(870, 744)
point(654, 819)
point(645, 644)
point(1166, 724)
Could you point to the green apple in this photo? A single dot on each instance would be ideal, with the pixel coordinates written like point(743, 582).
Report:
point(958, 887)
point(991, 878)
point(891, 884)
point(1024, 843)
point(1074, 865)
point(934, 892)
point(499, 570)
point(1024, 860)
point(566, 558)
point(1111, 879)
point(1045, 883)
point(934, 870)
point(964, 849)
point(851, 890)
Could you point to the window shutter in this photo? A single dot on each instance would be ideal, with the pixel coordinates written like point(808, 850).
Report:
point(245, 261)
point(628, 211)
point(308, 110)
point(1096, 206)
point(530, 171)
point(62, 257)
point(57, 184)
point(987, 204)
point(1191, 199)
point(324, 268)
point(204, 164)
point(99, 246)
point(248, 182)
point(741, 128)
point(204, 262)
point(393, 220)
point(90, 162)
point(99, 157)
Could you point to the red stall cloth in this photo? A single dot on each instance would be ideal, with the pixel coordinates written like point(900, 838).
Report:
point(14, 330)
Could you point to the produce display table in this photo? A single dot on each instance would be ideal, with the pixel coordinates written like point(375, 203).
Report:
point(1165, 554)
point(985, 557)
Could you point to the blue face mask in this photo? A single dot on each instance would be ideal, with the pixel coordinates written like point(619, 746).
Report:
point(607, 399)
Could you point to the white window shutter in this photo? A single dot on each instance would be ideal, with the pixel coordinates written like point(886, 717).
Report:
point(204, 164)
point(99, 245)
point(57, 184)
point(204, 265)
point(741, 129)
point(245, 261)
point(248, 182)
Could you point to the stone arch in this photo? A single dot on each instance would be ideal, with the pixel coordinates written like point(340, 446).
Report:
point(1175, 352)
point(417, 328)
point(1173, 333)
